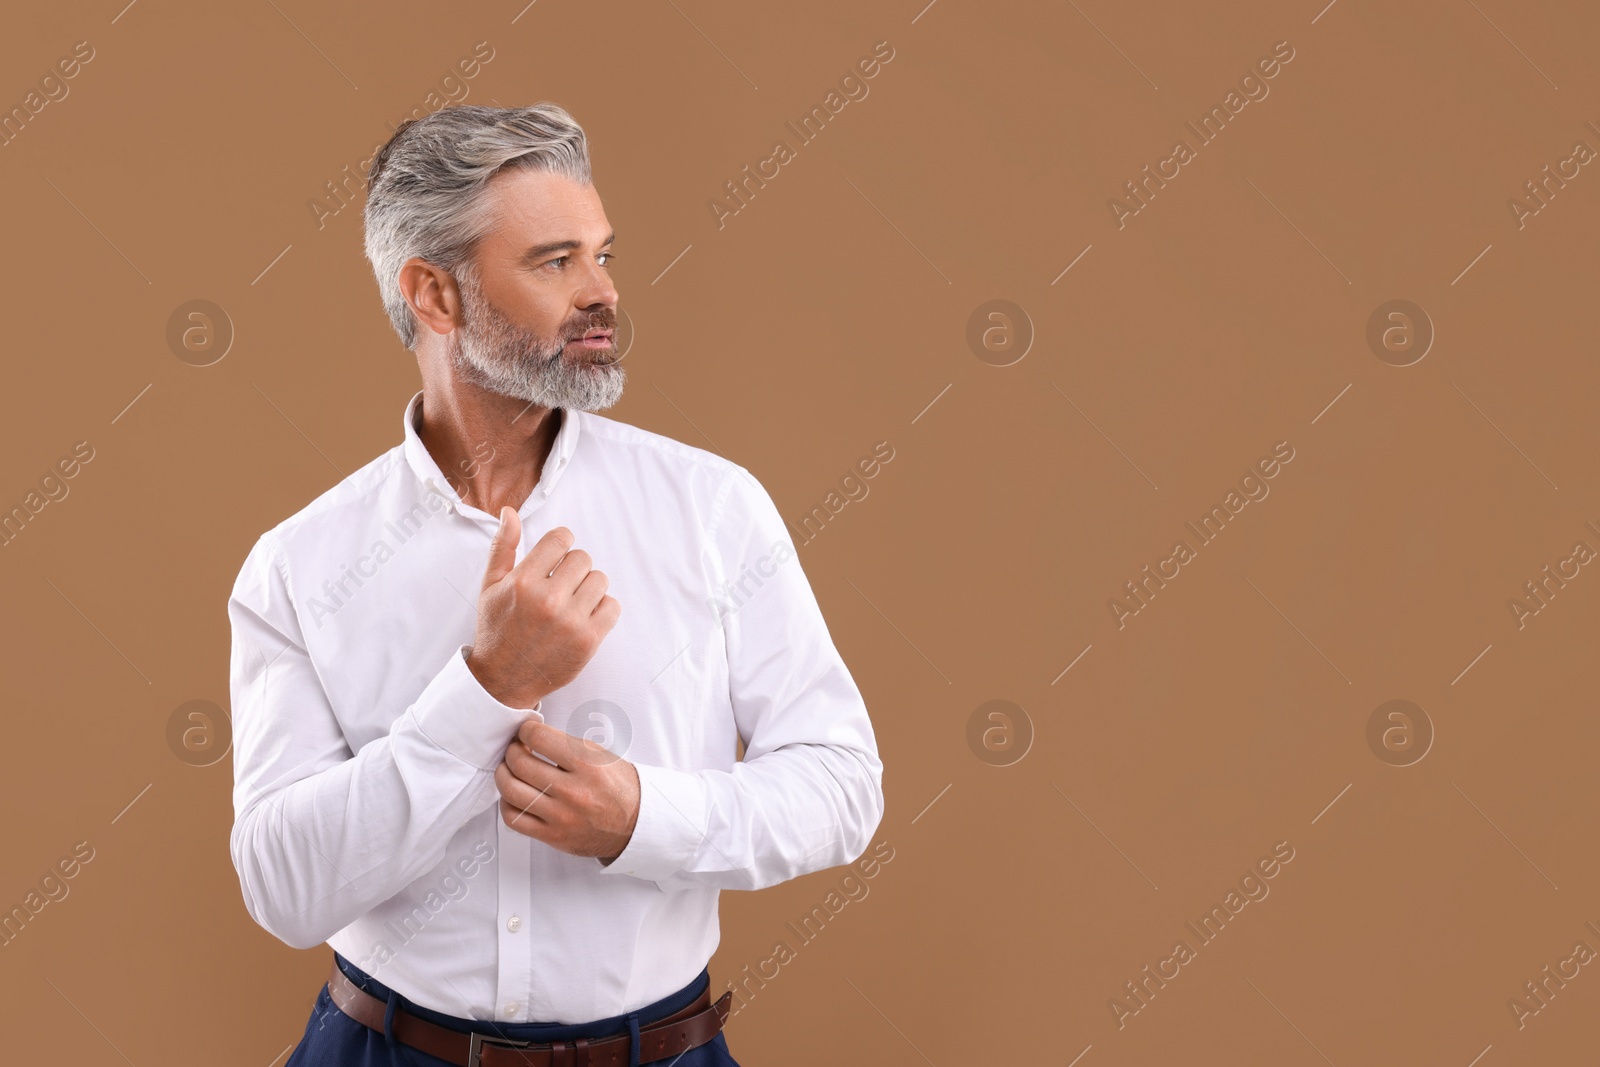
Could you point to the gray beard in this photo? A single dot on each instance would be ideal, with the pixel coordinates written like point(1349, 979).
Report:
point(491, 352)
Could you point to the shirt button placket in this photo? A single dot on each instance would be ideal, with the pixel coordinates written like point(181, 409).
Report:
point(516, 951)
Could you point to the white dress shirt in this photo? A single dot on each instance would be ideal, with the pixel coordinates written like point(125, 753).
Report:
point(366, 814)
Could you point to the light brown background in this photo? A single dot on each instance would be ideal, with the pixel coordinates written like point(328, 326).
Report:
point(825, 317)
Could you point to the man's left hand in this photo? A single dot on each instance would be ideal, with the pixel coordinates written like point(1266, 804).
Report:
point(586, 804)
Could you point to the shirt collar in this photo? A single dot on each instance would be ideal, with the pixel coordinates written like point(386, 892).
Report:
point(427, 470)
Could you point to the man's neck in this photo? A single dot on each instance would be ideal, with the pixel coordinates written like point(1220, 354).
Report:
point(491, 447)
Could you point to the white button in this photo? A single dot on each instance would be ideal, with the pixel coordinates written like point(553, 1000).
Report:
point(514, 924)
point(512, 1009)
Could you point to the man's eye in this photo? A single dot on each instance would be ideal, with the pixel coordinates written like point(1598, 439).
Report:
point(608, 257)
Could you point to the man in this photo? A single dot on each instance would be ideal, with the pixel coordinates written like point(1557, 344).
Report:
point(499, 782)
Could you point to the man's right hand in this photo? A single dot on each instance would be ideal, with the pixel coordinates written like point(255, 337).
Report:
point(540, 621)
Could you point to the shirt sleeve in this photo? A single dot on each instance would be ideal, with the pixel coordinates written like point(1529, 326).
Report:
point(809, 791)
point(322, 834)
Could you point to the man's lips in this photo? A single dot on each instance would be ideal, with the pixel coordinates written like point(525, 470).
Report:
point(594, 339)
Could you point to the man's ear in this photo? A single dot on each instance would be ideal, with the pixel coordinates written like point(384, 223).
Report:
point(433, 294)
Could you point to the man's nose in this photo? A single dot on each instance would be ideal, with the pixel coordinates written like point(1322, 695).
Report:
point(597, 289)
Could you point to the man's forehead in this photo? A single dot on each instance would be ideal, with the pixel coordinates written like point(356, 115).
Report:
point(527, 203)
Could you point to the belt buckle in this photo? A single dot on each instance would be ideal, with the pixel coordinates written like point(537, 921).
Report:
point(476, 1043)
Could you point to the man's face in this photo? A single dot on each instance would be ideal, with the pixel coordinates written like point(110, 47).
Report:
point(538, 287)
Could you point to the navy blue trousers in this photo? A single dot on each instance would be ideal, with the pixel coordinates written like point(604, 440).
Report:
point(333, 1039)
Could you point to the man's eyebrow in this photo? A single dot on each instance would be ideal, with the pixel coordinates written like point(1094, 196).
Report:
point(562, 246)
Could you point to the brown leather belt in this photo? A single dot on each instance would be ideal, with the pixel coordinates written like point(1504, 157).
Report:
point(685, 1029)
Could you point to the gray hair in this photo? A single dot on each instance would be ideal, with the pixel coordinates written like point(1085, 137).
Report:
point(425, 188)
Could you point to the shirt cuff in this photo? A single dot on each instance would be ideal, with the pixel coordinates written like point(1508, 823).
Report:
point(459, 715)
point(673, 809)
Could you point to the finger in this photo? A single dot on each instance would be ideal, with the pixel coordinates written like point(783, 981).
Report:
point(519, 793)
point(528, 767)
point(572, 569)
point(546, 553)
point(606, 613)
point(523, 822)
point(590, 591)
point(547, 741)
point(503, 549)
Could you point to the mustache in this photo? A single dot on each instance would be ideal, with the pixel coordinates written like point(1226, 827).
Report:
point(604, 319)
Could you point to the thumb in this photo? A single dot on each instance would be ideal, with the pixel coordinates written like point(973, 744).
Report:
point(503, 549)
